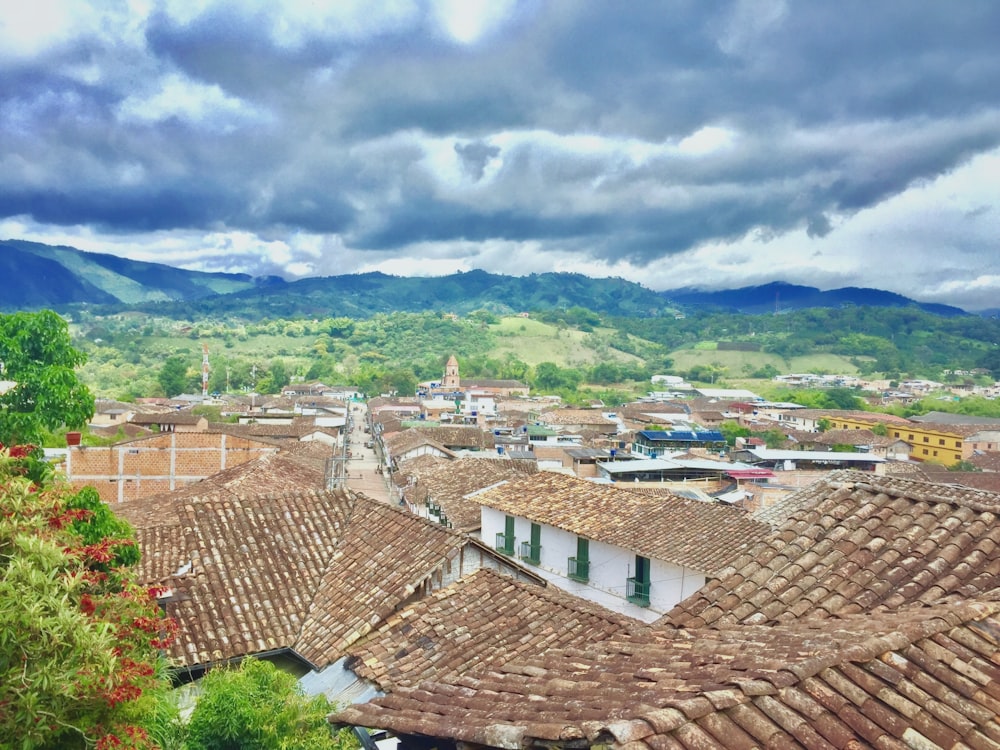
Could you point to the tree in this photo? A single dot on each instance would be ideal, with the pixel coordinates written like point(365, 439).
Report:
point(173, 377)
point(843, 398)
point(37, 356)
point(279, 375)
point(551, 377)
point(79, 640)
point(256, 706)
point(731, 429)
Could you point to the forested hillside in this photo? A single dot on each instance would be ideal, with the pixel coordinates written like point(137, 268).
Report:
point(576, 351)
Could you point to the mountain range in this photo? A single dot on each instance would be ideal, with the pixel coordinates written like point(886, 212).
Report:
point(62, 278)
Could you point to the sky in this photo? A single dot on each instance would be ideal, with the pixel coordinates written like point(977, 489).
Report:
point(676, 143)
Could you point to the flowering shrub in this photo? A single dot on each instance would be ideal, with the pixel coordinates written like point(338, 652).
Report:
point(79, 639)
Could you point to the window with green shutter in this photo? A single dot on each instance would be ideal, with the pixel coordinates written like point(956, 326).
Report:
point(579, 566)
point(505, 539)
point(531, 552)
point(637, 587)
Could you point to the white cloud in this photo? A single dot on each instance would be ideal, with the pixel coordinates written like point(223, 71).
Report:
point(29, 28)
point(467, 21)
point(184, 99)
point(706, 140)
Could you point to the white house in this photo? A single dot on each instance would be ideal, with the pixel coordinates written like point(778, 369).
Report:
point(635, 553)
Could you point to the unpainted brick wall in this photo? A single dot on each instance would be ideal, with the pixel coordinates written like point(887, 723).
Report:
point(160, 463)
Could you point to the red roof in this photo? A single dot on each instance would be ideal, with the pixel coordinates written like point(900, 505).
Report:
point(750, 473)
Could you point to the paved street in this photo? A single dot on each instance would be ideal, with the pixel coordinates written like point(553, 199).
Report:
point(361, 467)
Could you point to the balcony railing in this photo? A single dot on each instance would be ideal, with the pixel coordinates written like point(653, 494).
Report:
point(505, 544)
point(637, 592)
point(579, 570)
point(531, 553)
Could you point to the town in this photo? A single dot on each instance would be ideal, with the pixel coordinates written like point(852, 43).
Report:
point(440, 565)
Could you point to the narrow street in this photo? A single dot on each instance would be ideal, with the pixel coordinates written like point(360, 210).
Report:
point(362, 466)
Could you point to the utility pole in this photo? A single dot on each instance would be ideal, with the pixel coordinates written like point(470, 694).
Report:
point(204, 370)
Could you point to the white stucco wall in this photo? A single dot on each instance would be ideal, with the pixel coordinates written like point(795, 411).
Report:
point(610, 566)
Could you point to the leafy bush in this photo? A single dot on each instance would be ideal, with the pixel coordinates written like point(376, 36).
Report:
point(256, 706)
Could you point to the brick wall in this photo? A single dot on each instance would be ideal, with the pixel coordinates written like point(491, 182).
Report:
point(159, 463)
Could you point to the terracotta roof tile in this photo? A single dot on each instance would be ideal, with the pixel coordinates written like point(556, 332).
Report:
point(692, 533)
point(865, 542)
point(872, 680)
point(450, 482)
point(307, 570)
point(483, 619)
point(576, 416)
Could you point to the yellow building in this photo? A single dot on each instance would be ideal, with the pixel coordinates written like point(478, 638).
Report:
point(936, 443)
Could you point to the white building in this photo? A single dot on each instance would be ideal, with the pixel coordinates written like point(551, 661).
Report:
point(635, 553)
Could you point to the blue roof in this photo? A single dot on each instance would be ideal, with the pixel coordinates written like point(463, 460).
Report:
point(701, 436)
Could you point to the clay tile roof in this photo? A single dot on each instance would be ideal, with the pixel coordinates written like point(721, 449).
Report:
point(457, 436)
point(916, 677)
point(450, 482)
point(576, 416)
point(398, 443)
point(987, 461)
point(857, 542)
point(296, 429)
point(695, 534)
point(297, 469)
point(310, 571)
point(491, 619)
point(170, 417)
point(980, 480)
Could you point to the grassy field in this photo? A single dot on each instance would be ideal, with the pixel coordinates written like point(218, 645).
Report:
point(742, 363)
point(533, 342)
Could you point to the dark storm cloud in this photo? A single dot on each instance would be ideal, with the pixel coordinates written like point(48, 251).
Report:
point(618, 131)
point(475, 157)
point(818, 226)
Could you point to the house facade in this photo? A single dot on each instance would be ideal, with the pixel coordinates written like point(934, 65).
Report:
point(935, 443)
point(631, 553)
point(621, 579)
point(656, 443)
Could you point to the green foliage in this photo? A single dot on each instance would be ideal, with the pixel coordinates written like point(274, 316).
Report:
point(974, 406)
point(963, 466)
point(823, 398)
point(36, 354)
point(100, 523)
point(79, 663)
point(258, 707)
point(173, 377)
point(731, 429)
point(772, 438)
point(843, 398)
point(549, 377)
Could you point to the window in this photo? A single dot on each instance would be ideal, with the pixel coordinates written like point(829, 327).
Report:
point(926, 439)
point(531, 552)
point(579, 566)
point(637, 587)
point(940, 441)
point(505, 540)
